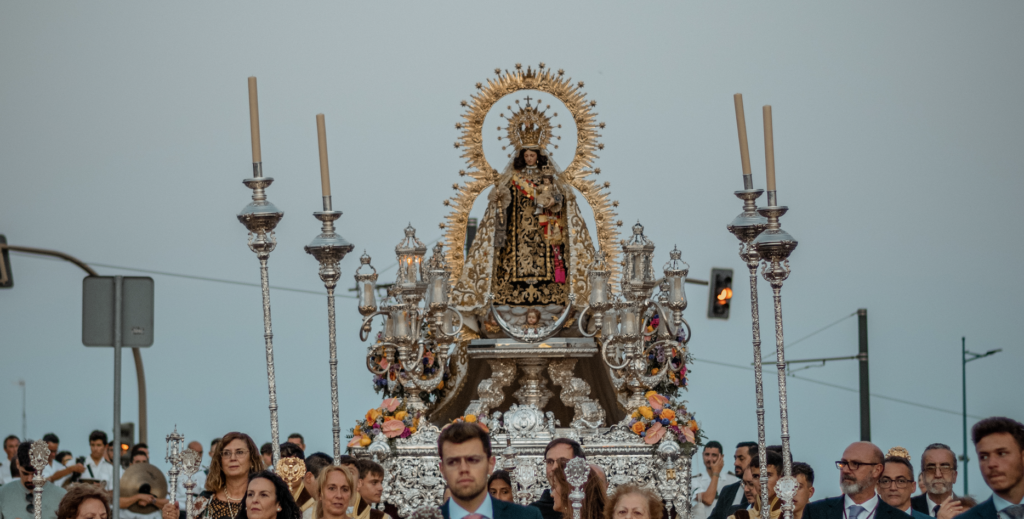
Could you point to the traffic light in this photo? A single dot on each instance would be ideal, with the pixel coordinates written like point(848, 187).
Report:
point(6, 281)
point(720, 293)
point(127, 436)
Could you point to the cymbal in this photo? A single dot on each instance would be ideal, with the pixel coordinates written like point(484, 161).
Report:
point(148, 479)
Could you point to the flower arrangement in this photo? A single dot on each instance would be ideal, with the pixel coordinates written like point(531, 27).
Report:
point(387, 384)
point(471, 418)
point(663, 357)
point(391, 418)
point(662, 416)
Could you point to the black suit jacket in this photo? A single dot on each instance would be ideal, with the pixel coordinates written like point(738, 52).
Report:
point(546, 505)
point(502, 510)
point(832, 508)
point(724, 507)
point(983, 510)
point(920, 503)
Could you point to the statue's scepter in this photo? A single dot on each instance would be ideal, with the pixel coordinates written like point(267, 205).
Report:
point(746, 227)
point(39, 455)
point(260, 217)
point(329, 248)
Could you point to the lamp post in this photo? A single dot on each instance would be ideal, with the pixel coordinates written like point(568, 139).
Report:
point(965, 357)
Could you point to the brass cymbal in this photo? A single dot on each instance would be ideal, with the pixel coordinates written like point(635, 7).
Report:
point(145, 477)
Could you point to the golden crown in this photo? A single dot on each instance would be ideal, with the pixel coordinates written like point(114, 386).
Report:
point(529, 127)
point(899, 452)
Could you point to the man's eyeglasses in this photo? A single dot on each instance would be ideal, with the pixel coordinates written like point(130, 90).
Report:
point(240, 454)
point(945, 468)
point(852, 465)
point(900, 482)
point(550, 462)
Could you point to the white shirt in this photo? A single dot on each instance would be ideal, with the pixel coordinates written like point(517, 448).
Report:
point(869, 506)
point(933, 504)
point(5, 472)
point(701, 483)
point(102, 471)
point(486, 509)
point(52, 468)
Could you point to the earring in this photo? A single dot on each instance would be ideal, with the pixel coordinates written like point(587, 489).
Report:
point(279, 509)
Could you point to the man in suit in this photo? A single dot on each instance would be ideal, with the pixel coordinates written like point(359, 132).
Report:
point(752, 487)
point(731, 496)
point(897, 482)
point(999, 444)
point(466, 461)
point(859, 472)
point(938, 470)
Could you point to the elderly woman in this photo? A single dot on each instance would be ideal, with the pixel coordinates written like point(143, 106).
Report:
point(594, 502)
point(84, 502)
point(235, 458)
point(337, 485)
point(268, 497)
point(633, 502)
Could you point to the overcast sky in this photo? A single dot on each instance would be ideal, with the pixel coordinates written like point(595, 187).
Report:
point(124, 138)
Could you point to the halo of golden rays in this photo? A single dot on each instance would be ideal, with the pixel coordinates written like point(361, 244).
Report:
point(483, 175)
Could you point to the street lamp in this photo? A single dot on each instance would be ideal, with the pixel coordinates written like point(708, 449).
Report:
point(965, 357)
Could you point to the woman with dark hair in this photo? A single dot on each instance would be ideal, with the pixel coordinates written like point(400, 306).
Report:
point(522, 160)
point(84, 502)
point(593, 500)
point(499, 485)
point(268, 497)
point(235, 458)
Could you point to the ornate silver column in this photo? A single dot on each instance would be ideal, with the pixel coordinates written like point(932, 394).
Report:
point(260, 217)
point(329, 248)
point(174, 444)
point(38, 455)
point(190, 460)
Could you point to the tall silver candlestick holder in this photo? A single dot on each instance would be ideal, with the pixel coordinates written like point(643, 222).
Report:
point(747, 226)
point(774, 246)
point(329, 249)
point(174, 443)
point(39, 456)
point(260, 217)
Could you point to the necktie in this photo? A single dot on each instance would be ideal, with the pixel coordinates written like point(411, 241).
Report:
point(474, 516)
point(1014, 512)
point(855, 511)
point(935, 511)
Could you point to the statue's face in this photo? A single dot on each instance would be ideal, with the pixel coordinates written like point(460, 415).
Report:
point(531, 318)
point(530, 157)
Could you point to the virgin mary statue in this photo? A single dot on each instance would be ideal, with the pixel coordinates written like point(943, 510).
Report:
point(532, 247)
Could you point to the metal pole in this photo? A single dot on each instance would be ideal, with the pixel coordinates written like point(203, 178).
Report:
point(24, 420)
point(115, 478)
point(865, 392)
point(963, 366)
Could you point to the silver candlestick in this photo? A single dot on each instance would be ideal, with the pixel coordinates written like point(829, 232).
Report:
point(260, 217)
point(329, 249)
point(174, 444)
point(774, 245)
point(39, 455)
point(747, 226)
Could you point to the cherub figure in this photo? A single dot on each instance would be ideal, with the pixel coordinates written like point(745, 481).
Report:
point(547, 196)
point(533, 318)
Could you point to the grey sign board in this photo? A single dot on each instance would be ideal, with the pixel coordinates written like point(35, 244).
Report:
point(98, 294)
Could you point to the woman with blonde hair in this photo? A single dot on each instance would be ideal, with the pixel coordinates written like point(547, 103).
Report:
point(234, 459)
point(337, 485)
point(633, 502)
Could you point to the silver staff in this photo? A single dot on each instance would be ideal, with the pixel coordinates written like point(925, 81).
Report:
point(260, 217)
point(774, 245)
point(190, 460)
point(577, 471)
point(39, 455)
point(746, 227)
point(328, 248)
point(174, 444)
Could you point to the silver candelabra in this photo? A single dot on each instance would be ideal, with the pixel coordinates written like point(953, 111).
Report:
point(260, 217)
point(621, 319)
point(329, 249)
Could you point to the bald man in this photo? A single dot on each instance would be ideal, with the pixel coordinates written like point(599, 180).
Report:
point(859, 471)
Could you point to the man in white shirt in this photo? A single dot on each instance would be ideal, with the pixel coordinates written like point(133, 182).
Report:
point(7, 463)
point(140, 454)
point(97, 468)
point(54, 471)
point(706, 486)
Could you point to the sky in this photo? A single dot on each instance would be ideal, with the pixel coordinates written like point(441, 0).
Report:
point(124, 139)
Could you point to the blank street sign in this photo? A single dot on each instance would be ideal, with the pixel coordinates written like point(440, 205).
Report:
point(136, 311)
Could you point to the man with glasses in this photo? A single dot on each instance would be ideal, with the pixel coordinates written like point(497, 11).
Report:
point(466, 461)
point(558, 452)
point(938, 469)
point(16, 499)
point(859, 471)
point(897, 482)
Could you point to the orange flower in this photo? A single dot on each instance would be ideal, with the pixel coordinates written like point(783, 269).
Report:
point(638, 427)
point(440, 385)
point(646, 412)
point(693, 425)
point(372, 415)
point(470, 418)
point(673, 422)
point(401, 415)
point(654, 371)
point(668, 414)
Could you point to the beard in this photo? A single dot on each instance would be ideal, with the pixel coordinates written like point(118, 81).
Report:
point(938, 487)
point(470, 492)
point(851, 486)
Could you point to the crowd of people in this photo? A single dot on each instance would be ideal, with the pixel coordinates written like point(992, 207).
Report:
point(237, 483)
